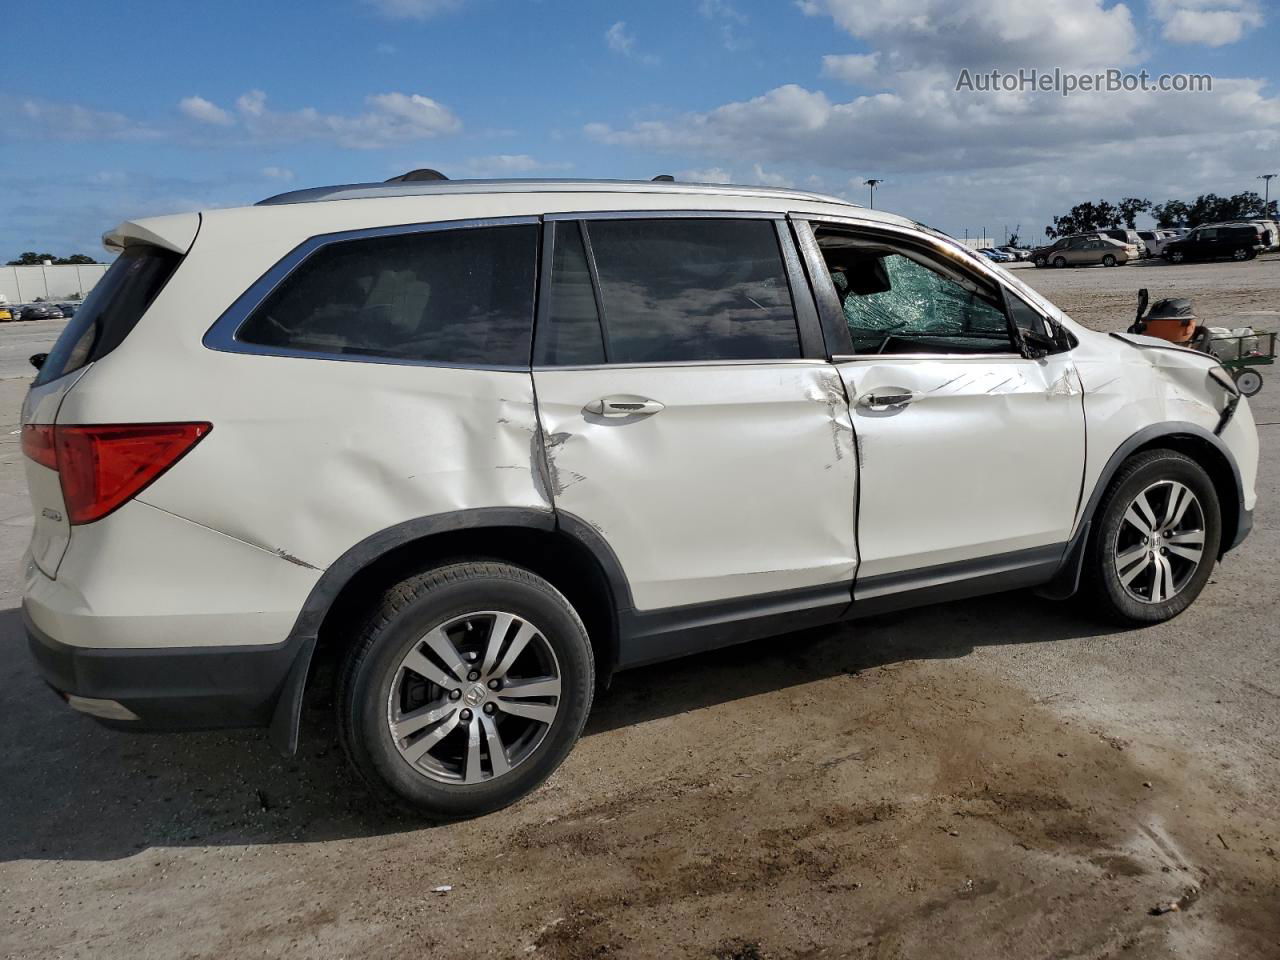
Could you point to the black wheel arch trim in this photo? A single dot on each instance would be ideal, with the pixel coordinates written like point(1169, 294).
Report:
point(303, 638)
point(1067, 579)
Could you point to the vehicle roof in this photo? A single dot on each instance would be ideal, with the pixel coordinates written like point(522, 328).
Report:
point(422, 188)
point(299, 214)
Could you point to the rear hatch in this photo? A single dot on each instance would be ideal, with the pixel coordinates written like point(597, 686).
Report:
point(106, 318)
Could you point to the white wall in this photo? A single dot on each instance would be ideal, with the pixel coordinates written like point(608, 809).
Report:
point(24, 284)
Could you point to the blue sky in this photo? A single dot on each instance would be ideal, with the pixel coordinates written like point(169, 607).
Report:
point(145, 110)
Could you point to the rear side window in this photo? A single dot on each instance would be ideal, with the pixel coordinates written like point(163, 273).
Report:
point(111, 311)
point(447, 296)
point(692, 290)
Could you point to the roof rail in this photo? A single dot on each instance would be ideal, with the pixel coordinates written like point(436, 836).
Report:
point(427, 186)
point(413, 176)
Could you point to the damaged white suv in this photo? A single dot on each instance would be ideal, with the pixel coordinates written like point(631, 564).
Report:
point(485, 443)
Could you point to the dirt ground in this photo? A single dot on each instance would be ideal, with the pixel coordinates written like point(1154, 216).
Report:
point(1003, 777)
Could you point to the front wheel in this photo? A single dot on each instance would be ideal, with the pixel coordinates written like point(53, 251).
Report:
point(1155, 539)
point(1039, 263)
point(1059, 262)
point(1177, 256)
point(467, 688)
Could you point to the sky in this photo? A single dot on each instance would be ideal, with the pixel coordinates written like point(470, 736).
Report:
point(145, 107)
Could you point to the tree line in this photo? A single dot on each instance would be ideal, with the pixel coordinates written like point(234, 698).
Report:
point(1206, 208)
point(32, 259)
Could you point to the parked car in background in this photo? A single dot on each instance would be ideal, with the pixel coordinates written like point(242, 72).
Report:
point(68, 309)
point(1094, 251)
point(578, 435)
point(41, 311)
point(1127, 236)
point(1043, 256)
point(997, 255)
point(6, 310)
point(1018, 253)
point(1155, 241)
point(1217, 242)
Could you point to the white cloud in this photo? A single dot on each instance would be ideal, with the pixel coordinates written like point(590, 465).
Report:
point(204, 111)
point(706, 175)
point(39, 119)
point(391, 118)
point(511, 165)
point(760, 177)
point(283, 174)
point(413, 9)
point(946, 35)
point(621, 42)
point(727, 19)
point(855, 68)
point(973, 155)
point(1213, 23)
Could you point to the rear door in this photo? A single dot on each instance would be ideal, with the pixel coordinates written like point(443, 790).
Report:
point(688, 412)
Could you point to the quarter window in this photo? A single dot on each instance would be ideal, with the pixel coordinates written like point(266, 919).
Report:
point(448, 296)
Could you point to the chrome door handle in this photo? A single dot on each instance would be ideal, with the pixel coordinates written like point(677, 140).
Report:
point(625, 406)
point(886, 401)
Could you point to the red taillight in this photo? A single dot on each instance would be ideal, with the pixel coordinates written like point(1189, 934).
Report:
point(37, 443)
point(102, 467)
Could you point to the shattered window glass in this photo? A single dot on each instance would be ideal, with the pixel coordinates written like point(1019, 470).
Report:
point(894, 304)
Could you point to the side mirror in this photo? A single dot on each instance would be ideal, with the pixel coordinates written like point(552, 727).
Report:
point(38, 359)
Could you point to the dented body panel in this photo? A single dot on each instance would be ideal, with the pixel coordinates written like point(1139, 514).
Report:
point(743, 484)
point(986, 458)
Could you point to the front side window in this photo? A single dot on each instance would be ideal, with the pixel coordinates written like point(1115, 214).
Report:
point(905, 300)
point(447, 296)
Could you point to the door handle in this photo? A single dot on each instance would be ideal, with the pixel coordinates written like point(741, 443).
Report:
point(624, 406)
point(887, 401)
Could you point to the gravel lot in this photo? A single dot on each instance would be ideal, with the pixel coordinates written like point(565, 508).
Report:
point(1001, 777)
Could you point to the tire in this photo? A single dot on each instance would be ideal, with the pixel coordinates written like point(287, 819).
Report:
point(1249, 382)
point(1038, 262)
point(1240, 255)
point(1059, 262)
point(1109, 261)
point(1139, 582)
point(419, 621)
point(1177, 256)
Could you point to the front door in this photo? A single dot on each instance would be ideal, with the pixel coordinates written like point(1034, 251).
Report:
point(687, 416)
point(971, 454)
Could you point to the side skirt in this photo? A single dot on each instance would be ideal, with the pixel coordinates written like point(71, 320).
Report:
point(653, 636)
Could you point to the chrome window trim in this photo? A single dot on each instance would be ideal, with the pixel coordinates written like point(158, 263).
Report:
point(666, 215)
point(223, 335)
point(893, 357)
point(813, 361)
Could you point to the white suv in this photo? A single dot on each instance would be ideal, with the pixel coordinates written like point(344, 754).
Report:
point(486, 443)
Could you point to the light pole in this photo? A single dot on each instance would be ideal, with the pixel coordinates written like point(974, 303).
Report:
point(1266, 204)
point(872, 185)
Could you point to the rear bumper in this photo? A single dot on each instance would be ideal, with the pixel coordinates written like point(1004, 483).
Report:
point(170, 688)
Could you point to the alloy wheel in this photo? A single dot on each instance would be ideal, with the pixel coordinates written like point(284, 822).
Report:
point(474, 698)
point(1160, 545)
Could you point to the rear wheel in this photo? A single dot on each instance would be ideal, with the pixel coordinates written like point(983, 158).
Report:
point(1241, 253)
point(1039, 262)
point(1156, 538)
point(468, 686)
point(1109, 260)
